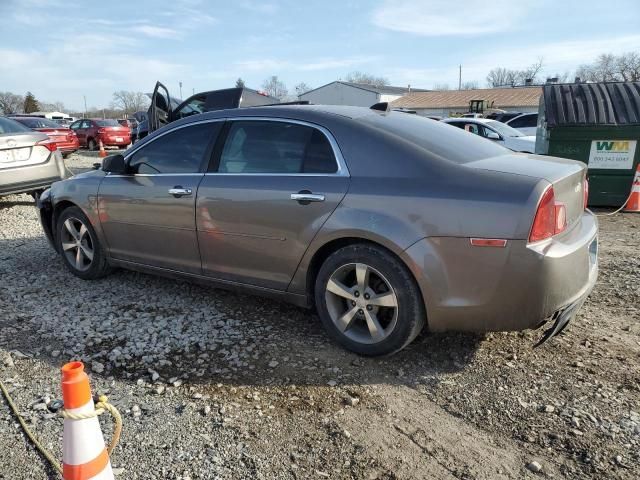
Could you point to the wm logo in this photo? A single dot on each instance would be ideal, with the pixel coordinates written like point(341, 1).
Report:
point(622, 146)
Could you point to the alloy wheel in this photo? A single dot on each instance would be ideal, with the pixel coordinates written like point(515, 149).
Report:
point(77, 244)
point(361, 303)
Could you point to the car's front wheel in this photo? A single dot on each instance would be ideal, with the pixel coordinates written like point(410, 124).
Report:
point(368, 300)
point(79, 245)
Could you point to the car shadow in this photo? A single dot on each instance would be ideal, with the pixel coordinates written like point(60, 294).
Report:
point(131, 325)
point(13, 201)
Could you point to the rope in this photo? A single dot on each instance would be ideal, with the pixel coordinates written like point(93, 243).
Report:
point(101, 406)
point(616, 211)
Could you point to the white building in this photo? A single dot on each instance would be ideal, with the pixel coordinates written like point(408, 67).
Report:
point(356, 94)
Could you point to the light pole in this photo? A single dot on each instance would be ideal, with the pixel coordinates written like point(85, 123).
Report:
point(180, 83)
point(85, 106)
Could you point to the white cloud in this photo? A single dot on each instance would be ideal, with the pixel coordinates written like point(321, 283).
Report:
point(325, 63)
point(444, 17)
point(333, 63)
point(558, 57)
point(155, 31)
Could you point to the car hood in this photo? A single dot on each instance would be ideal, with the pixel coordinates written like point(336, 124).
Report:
point(521, 144)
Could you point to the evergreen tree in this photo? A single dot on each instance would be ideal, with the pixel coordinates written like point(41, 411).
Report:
point(239, 83)
point(30, 103)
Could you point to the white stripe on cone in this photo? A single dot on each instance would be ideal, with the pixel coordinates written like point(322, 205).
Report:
point(83, 441)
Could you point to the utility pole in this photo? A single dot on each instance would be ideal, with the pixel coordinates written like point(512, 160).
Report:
point(180, 83)
point(85, 106)
point(460, 78)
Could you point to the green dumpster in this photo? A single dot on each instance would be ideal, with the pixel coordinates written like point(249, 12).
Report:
point(598, 124)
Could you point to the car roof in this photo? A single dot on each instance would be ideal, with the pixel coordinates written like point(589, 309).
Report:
point(469, 119)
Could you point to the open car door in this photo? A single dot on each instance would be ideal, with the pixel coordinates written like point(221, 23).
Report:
point(160, 109)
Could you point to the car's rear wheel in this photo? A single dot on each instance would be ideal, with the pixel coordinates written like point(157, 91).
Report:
point(368, 300)
point(91, 144)
point(79, 245)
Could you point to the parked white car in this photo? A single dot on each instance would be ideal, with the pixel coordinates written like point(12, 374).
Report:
point(526, 123)
point(496, 131)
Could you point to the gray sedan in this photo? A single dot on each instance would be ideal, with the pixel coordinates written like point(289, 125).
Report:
point(384, 222)
point(29, 160)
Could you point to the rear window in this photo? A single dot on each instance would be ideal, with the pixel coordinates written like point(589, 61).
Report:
point(436, 137)
point(11, 126)
point(107, 123)
point(38, 122)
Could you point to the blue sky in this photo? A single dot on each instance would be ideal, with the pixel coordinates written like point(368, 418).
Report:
point(64, 49)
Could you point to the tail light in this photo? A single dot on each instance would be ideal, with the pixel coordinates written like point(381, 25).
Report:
point(550, 219)
point(49, 145)
point(586, 192)
point(101, 131)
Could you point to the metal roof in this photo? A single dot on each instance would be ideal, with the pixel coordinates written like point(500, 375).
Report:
point(606, 103)
point(383, 89)
point(500, 97)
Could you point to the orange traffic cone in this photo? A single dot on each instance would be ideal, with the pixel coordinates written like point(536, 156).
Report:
point(84, 455)
point(102, 153)
point(633, 204)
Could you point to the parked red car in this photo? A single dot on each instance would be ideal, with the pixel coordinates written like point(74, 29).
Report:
point(91, 131)
point(64, 138)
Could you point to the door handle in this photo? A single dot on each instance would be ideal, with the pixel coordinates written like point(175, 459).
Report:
point(178, 191)
point(307, 197)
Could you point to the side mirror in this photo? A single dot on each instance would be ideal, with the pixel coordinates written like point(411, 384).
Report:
point(491, 135)
point(114, 164)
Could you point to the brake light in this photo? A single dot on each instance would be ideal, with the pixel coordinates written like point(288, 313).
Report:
point(550, 219)
point(586, 192)
point(49, 145)
point(101, 131)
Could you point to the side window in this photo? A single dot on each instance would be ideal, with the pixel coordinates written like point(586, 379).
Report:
point(74, 125)
point(179, 151)
point(518, 122)
point(472, 127)
point(530, 121)
point(276, 147)
point(85, 124)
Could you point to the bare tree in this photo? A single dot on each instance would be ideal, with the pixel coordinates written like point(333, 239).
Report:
point(275, 87)
point(52, 107)
point(471, 85)
point(500, 76)
point(129, 102)
point(440, 86)
point(366, 79)
point(11, 103)
point(302, 88)
point(628, 66)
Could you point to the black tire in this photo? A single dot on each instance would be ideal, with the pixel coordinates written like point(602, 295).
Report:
point(91, 144)
point(98, 266)
point(410, 311)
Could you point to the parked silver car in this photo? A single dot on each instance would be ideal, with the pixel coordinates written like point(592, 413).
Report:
point(29, 160)
point(383, 221)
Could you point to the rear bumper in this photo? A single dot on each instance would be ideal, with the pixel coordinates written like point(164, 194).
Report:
point(499, 289)
point(33, 177)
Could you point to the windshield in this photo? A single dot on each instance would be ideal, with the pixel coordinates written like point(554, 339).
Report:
point(107, 123)
point(504, 130)
point(11, 126)
point(38, 122)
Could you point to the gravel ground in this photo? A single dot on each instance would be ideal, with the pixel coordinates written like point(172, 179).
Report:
point(213, 384)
